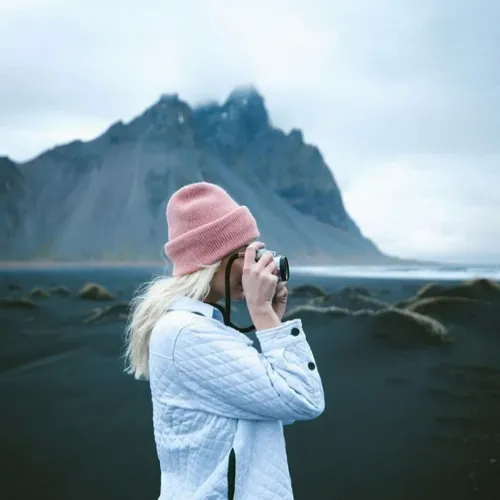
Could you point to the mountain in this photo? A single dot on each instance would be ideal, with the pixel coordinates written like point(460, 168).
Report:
point(11, 193)
point(105, 199)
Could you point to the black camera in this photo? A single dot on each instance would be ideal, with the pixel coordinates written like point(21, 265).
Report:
point(283, 272)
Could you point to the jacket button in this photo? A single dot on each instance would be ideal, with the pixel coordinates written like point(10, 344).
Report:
point(311, 365)
point(295, 331)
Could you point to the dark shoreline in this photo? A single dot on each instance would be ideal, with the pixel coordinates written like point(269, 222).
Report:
point(403, 420)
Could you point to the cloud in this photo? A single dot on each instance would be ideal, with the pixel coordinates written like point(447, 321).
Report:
point(436, 207)
point(380, 86)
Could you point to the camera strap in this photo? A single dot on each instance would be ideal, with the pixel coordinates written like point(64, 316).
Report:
point(226, 310)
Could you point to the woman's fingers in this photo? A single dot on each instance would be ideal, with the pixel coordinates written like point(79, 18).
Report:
point(271, 267)
point(250, 254)
point(265, 260)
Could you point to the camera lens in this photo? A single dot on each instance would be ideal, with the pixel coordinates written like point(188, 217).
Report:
point(283, 269)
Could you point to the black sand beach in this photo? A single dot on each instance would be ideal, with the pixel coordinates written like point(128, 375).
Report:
point(412, 391)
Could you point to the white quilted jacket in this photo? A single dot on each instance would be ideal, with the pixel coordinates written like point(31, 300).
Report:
point(219, 405)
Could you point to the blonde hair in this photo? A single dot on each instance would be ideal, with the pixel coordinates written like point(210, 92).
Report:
point(150, 303)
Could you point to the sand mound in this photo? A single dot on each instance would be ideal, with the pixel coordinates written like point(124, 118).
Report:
point(373, 301)
point(321, 313)
point(460, 313)
point(94, 291)
point(307, 291)
point(39, 293)
point(60, 290)
point(350, 298)
point(436, 305)
point(355, 291)
point(408, 329)
point(401, 328)
point(120, 310)
point(478, 289)
point(471, 302)
point(22, 303)
point(429, 290)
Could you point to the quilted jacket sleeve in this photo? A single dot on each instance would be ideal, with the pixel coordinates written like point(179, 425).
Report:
point(229, 377)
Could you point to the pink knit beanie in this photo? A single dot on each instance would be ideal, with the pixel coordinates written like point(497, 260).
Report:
point(204, 225)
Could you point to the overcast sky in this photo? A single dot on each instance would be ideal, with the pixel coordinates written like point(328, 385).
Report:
point(401, 96)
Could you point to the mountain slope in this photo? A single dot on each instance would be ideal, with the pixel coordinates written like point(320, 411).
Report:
point(105, 199)
point(12, 186)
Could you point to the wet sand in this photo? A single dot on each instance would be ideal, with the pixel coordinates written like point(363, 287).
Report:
point(412, 389)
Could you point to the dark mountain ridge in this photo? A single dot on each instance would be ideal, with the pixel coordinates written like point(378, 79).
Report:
point(104, 199)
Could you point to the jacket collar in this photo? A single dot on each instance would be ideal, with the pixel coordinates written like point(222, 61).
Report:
point(197, 307)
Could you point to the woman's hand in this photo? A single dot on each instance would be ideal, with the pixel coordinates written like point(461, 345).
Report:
point(280, 299)
point(259, 283)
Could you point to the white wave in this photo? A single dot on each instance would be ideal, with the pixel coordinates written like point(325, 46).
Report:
point(394, 272)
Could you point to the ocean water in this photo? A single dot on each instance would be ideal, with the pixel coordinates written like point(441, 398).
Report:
point(425, 273)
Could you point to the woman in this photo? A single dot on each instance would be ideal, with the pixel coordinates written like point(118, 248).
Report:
point(218, 404)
